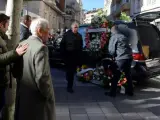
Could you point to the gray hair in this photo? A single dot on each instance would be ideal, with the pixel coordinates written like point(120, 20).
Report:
point(38, 23)
point(73, 24)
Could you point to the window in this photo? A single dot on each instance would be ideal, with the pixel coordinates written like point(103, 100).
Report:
point(151, 2)
point(125, 1)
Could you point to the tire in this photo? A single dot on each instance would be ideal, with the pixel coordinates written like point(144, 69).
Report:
point(142, 77)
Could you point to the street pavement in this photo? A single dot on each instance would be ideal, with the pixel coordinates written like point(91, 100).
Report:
point(89, 102)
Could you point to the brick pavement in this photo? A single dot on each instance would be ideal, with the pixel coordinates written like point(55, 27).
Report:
point(89, 103)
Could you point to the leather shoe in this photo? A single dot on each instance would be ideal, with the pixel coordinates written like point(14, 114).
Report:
point(129, 93)
point(70, 90)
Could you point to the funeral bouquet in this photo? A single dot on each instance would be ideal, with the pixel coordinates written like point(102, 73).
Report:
point(99, 74)
point(84, 73)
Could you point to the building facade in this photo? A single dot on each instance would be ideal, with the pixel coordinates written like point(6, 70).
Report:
point(118, 6)
point(107, 6)
point(90, 14)
point(133, 7)
point(82, 18)
point(52, 10)
point(142, 6)
point(81, 12)
point(74, 12)
point(2, 6)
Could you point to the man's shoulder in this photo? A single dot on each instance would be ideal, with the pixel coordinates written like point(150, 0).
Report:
point(34, 46)
point(33, 41)
point(2, 42)
point(1, 38)
point(22, 27)
point(79, 34)
point(68, 32)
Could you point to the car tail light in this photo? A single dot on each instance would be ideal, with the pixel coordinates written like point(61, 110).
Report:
point(138, 56)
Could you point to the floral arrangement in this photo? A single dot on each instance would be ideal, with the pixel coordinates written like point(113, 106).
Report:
point(96, 45)
point(96, 21)
point(87, 39)
point(104, 77)
point(84, 74)
point(104, 36)
point(123, 80)
point(100, 40)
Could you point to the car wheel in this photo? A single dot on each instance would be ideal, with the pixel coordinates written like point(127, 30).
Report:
point(142, 76)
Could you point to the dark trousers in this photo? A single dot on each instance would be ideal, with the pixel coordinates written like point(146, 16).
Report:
point(72, 60)
point(2, 98)
point(122, 66)
point(70, 72)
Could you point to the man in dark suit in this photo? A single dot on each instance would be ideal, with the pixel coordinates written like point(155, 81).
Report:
point(24, 27)
point(71, 50)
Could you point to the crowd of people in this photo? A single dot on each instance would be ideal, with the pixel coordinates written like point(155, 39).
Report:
point(28, 63)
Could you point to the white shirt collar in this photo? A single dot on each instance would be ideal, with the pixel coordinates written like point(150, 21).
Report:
point(24, 25)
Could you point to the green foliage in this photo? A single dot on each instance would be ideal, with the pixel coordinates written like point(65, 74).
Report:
point(125, 17)
point(99, 18)
point(100, 12)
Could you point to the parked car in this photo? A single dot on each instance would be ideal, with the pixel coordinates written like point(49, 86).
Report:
point(149, 36)
point(142, 34)
point(55, 57)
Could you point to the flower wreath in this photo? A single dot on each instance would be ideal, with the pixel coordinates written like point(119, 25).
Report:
point(103, 38)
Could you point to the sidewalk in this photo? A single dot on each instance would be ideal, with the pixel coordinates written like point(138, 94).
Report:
point(89, 102)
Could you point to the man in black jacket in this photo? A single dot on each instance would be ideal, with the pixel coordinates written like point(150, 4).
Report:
point(71, 50)
point(6, 57)
point(120, 49)
point(24, 27)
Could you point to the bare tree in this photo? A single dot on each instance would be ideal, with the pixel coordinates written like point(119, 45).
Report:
point(13, 9)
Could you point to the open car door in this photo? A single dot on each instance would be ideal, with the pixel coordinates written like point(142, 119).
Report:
point(148, 16)
point(149, 36)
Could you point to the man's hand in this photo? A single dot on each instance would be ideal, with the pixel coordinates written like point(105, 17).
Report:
point(21, 49)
